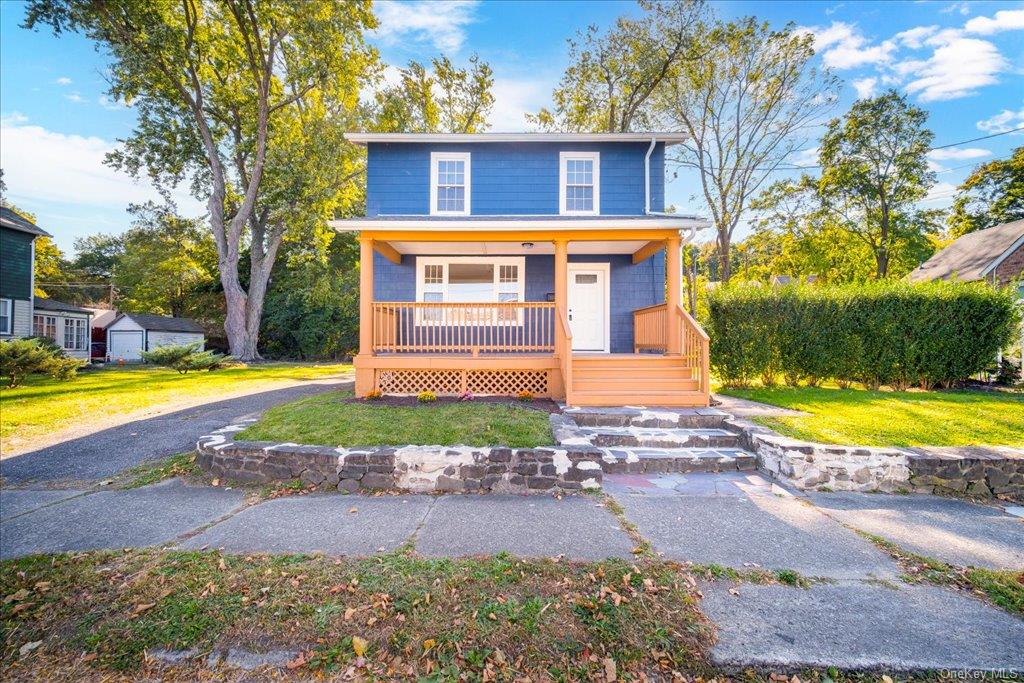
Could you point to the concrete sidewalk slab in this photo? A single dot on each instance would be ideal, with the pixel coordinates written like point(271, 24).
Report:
point(14, 502)
point(861, 626)
point(693, 484)
point(527, 526)
point(773, 532)
point(116, 519)
point(319, 523)
point(951, 530)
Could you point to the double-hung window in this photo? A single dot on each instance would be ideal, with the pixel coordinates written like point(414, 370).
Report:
point(470, 280)
point(6, 313)
point(449, 183)
point(579, 186)
point(74, 334)
point(44, 326)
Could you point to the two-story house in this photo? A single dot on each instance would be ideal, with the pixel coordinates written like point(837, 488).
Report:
point(21, 313)
point(525, 262)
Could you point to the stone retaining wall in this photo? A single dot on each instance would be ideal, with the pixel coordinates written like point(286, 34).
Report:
point(418, 469)
point(974, 472)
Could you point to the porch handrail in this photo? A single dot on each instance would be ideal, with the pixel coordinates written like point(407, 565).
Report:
point(695, 348)
point(565, 356)
point(463, 327)
point(650, 328)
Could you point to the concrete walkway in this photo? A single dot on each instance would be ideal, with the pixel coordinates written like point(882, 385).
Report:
point(859, 615)
point(105, 453)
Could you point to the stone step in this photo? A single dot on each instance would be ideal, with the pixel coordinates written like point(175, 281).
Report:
point(643, 460)
point(656, 437)
point(643, 417)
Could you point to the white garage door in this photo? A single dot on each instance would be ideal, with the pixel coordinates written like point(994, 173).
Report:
point(124, 344)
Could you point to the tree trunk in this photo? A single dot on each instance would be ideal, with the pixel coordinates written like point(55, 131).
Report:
point(723, 256)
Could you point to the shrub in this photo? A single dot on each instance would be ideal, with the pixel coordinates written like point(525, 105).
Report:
point(374, 395)
point(185, 357)
point(426, 397)
point(524, 396)
point(20, 358)
point(887, 333)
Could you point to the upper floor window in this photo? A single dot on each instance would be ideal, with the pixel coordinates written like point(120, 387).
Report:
point(449, 183)
point(579, 191)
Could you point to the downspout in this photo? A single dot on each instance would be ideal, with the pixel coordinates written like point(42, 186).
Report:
point(647, 175)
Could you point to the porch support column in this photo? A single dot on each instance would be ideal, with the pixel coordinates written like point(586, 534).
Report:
point(561, 291)
point(674, 270)
point(364, 375)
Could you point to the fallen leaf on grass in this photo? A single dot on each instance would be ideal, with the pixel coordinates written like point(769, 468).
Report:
point(297, 662)
point(139, 609)
point(28, 647)
point(18, 595)
point(359, 646)
point(428, 643)
point(610, 673)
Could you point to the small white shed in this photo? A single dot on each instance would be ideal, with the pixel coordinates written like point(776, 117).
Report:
point(130, 333)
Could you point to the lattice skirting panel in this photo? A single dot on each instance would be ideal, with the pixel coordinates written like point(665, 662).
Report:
point(493, 382)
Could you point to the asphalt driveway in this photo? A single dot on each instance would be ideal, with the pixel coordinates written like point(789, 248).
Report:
point(105, 453)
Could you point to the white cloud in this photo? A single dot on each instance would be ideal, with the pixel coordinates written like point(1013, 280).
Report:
point(956, 69)
point(958, 153)
point(844, 47)
point(806, 157)
point(940, 193)
point(963, 8)
point(514, 98)
point(865, 87)
point(75, 97)
point(1004, 20)
point(63, 80)
point(1003, 122)
point(914, 37)
point(109, 104)
point(44, 166)
point(440, 23)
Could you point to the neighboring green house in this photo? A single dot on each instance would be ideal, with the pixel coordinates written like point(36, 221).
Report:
point(17, 266)
point(25, 315)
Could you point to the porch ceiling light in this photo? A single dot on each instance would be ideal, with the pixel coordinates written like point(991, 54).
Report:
point(527, 245)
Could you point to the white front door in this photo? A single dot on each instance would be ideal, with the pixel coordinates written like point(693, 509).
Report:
point(588, 306)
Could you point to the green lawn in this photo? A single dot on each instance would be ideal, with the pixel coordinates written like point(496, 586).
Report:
point(42, 405)
point(894, 418)
point(328, 420)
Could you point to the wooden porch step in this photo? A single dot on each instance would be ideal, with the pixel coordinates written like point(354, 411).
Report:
point(601, 371)
point(623, 359)
point(643, 397)
point(638, 385)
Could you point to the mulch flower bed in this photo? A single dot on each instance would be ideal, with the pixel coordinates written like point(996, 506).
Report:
point(543, 404)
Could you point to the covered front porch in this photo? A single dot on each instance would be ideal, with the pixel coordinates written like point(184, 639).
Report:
point(577, 314)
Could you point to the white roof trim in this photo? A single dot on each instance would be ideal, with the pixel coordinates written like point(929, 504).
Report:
point(1002, 257)
point(499, 223)
point(667, 137)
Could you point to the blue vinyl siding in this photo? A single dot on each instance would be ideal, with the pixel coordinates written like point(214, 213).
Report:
point(511, 178)
point(632, 286)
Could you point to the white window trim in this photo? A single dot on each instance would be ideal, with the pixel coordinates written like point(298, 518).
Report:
point(74, 334)
point(497, 261)
point(9, 305)
point(46, 320)
point(448, 156)
point(562, 172)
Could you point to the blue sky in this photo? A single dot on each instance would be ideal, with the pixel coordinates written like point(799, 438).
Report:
point(962, 61)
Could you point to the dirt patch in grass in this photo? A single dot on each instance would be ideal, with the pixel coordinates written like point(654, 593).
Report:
point(180, 465)
point(543, 404)
point(485, 619)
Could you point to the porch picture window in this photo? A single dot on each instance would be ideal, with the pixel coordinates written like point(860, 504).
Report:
point(471, 280)
point(74, 334)
point(449, 183)
point(5, 316)
point(44, 326)
point(579, 181)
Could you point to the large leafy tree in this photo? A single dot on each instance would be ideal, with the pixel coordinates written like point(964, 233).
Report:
point(874, 171)
point(991, 195)
point(613, 75)
point(444, 99)
point(166, 264)
point(746, 106)
point(244, 99)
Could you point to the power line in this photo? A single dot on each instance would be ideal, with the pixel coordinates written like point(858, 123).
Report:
point(984, 137)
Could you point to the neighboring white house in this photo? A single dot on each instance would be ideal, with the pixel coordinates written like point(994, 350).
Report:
point(131, 333)
point(68, 326)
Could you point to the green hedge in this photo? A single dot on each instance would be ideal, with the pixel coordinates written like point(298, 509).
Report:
point(887, 333)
